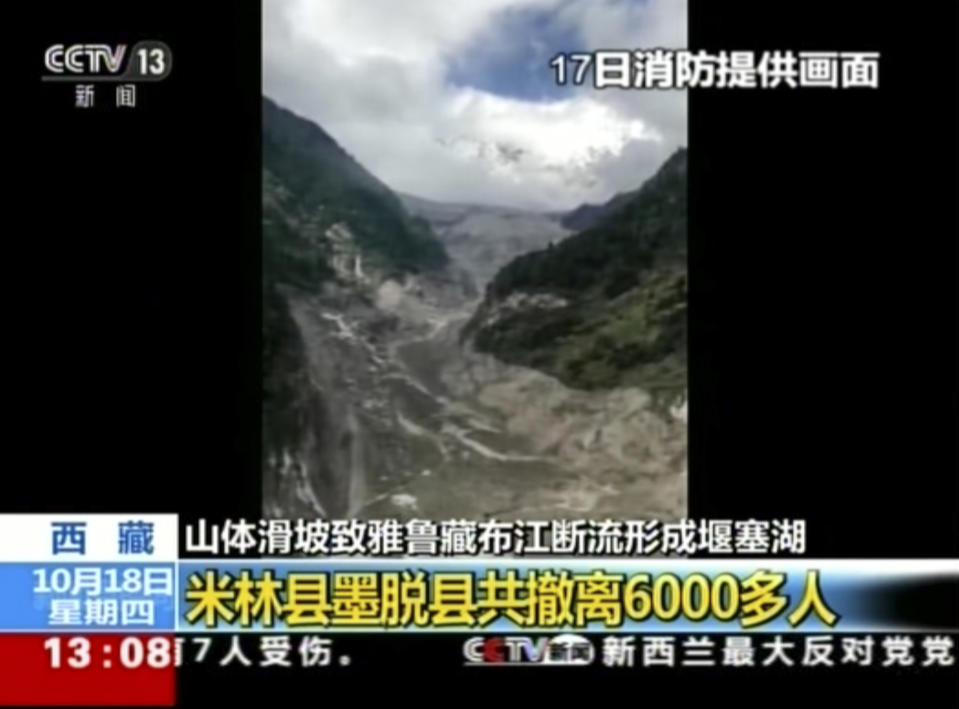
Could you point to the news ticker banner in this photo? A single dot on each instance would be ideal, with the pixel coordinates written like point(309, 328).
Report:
point(109, 594)
point(124, 573)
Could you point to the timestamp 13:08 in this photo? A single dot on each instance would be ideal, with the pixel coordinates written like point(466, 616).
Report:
point(132, 652)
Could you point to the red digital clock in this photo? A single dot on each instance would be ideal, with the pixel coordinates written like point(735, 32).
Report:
point(83, 670)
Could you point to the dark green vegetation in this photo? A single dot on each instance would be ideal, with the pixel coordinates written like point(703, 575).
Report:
point(586, 216)
point(624, 280)
point(310, 184)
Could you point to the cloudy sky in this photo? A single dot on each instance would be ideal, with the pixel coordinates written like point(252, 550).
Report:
point(456, 101)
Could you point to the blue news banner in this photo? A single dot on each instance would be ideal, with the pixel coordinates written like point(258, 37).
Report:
point(88, 573)
point(78, 574)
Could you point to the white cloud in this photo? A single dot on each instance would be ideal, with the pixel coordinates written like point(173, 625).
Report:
point(372, 73)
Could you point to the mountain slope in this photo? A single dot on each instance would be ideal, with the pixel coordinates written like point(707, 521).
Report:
point(605, 307)
point(586, 216)
point(310, 185)
point(329, 227)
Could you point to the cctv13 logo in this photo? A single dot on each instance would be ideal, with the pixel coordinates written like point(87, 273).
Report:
point(149, 60)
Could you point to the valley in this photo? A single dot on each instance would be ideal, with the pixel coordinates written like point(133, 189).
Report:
point(380, 407)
